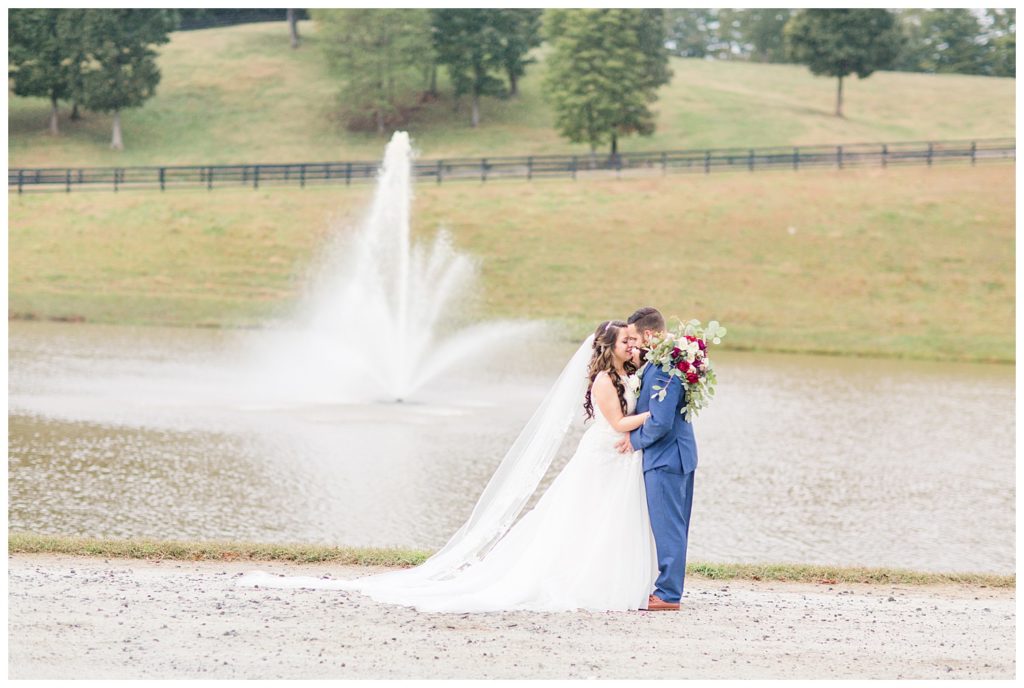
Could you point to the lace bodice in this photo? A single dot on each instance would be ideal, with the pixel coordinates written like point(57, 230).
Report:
point(632, 385)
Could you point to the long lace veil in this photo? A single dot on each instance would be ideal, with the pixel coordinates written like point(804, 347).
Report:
point(518, 474)
point(503, 499)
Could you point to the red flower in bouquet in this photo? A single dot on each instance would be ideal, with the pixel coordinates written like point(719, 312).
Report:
point(683, 353)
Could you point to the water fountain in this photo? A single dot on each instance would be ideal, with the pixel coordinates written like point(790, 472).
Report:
point(382, 316)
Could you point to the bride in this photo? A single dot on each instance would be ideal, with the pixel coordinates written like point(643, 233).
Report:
point(587, 544)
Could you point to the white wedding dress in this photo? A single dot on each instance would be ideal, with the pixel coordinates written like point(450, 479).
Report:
point(587, 544)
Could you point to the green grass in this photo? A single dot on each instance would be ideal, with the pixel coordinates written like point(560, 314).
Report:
point(240, 94)
point(30, 543)
point(908, 262)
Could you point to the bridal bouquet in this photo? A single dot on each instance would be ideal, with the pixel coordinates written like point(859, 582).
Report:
point(683, 353)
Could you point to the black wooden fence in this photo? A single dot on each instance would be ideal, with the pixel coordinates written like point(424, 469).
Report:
point(517, 167)
point(190, 20)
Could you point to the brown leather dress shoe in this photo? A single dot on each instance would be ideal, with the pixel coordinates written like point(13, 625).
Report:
point(656, 604)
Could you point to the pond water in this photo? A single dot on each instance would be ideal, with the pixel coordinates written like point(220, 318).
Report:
point(149, 432)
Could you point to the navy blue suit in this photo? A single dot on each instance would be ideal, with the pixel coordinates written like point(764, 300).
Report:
point(670, 461)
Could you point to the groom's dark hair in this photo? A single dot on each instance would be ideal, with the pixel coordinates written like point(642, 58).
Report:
point(647, 318)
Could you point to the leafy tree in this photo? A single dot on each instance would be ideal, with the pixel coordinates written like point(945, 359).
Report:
point(843, 42)
point(79, 57)
point(730, 44)
point(952, 37)
point(649, 27)
point(470, 44)
point(605, 69)
point(915, 49)
point(121, 71)
point(377, 53)
point(44, 55)
point(755, 34)
point(520, 32)
point(954, 41)
point(1002, 37)
point(764, 31)
point(691, 32)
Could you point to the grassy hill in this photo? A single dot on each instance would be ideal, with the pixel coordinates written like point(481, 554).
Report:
point(240, 94)
point(912, 262)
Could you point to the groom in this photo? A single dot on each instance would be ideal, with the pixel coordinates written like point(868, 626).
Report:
point(669, 462)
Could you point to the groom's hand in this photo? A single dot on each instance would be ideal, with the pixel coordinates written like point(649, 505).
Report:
point(624, 445)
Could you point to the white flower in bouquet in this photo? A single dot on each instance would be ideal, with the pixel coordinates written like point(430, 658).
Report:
point(682, 353)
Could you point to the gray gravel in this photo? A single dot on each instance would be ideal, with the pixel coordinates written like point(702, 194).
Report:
point(75, 617)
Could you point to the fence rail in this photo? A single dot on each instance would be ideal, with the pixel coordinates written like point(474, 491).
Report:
point(238, 17)
point(518, 167)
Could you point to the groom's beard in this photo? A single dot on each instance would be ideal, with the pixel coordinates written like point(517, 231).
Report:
point(642, 359)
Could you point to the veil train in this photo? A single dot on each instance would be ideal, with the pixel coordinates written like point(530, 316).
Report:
point(500, 504)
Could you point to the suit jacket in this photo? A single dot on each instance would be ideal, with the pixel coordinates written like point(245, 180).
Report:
point(666, 438)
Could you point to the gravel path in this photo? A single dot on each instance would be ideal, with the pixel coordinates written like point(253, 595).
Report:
point(75, 617)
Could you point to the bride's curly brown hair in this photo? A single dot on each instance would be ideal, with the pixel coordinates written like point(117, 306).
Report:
point(602, 360)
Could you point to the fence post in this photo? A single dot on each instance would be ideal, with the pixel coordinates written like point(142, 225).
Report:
point(573, 168)
point(21, 179)
point(302, 176)
point(256, 177)
point(245, 174)
point(483, 169)
point(839, 156)
point(974, 151)
point(161, 178)
point(707, 162)
point(529, 168)
point(885, 155)
point(440, 170)
point(348, 174)
point(929, 154)
point(209, 178)
point(67, 180)
point(116, 178)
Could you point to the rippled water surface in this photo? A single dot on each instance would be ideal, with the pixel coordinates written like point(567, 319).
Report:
point(124, 432)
